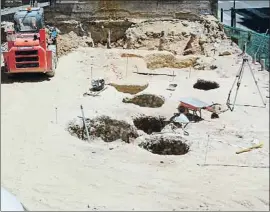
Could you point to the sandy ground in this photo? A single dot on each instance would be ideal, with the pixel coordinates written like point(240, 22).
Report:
point(48, 169)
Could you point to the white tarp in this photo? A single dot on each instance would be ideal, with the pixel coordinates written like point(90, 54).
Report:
point(9, 202)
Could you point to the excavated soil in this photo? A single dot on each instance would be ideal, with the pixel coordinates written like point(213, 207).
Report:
point(131, 89)
point(149, 124)
point(155, 61)
point(146, 100)
point(165, 145)
point(104, 127)
point(180, 37)
point(205, 85)
point(71, 41)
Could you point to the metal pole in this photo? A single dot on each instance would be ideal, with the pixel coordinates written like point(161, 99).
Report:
point(127, 67)
point(91, 72)
point(236, 79)
point(234, 14)
point(256, 84)
point(56, 115)
point(221, 15)
point(92, 68)
point(206, 150)
point(84, 123)
point(232, 10)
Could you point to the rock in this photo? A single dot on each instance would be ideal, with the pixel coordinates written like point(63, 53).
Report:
point(146, 100)
point(202, 39)
point(169, 128)
point(185, 24)
point(193, 46)
point(203, 63)
point(212, 67)
point(225, 53)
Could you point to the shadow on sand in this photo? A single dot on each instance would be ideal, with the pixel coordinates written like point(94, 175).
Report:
point(23, 78)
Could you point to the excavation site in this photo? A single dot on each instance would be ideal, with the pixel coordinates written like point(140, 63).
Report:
point(133, 106)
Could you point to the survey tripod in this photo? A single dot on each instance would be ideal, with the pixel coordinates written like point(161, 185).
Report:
point(239, 76)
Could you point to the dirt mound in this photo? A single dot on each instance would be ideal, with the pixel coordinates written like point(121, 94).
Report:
point(205, 85)
point(165, 144)
point(155, 61)
point(131, 89)
point(146, 100)
point(176, 36)
point(149, 124)
point(104, 127)
point(71, 41)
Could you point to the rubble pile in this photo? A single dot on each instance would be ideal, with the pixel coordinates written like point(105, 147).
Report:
point(69, 42)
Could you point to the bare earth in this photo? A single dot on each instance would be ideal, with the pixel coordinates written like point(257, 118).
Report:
point(48, 169)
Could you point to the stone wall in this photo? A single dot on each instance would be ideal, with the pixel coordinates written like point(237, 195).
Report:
point(120, 9)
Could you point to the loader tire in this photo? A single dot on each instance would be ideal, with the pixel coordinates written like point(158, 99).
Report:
point(54, 61)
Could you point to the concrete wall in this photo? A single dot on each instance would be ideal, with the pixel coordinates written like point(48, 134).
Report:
point(10, 3)
point(108, 9)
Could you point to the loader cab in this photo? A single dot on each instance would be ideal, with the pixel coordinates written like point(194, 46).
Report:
point(29, 20)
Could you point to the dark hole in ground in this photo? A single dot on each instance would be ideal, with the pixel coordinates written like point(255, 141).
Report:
point(191, 117)
point(165, 145)
point(205, 85)
point(104, 127)
point(214, 116)
point(149, 124)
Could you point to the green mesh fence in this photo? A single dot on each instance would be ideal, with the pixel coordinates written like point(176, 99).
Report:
point(257, 45)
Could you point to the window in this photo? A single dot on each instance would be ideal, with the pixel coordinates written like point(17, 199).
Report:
point(27, 24)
